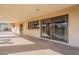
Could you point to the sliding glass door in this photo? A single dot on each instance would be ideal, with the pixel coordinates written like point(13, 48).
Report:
point(55, 28)
point(46, 28)
point(59, 28)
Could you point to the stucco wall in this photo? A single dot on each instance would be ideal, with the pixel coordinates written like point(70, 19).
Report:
point(73, 26)
point(16, 28)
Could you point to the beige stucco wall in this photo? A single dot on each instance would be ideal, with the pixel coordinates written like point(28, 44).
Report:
point(73, 26)
point(73, 30)
point(16, 28)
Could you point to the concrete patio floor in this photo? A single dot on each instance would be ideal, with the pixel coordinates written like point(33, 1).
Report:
point(27, 45)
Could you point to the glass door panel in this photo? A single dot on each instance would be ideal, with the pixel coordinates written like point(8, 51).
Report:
point(55, 28)
point(45, 29)
point(59, 29)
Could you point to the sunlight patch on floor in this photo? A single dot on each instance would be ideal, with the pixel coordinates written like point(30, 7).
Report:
point(13, 40)
point(17, 41)
point(6, 34)
point(38, 52)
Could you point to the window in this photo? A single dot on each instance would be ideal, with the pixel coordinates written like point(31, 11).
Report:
point(59, 28)
point(33, 25)
point(46, 28)
point(55, 28)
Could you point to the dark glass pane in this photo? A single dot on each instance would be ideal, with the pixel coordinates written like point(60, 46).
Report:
point(46, 28)
point(21, 28)
point(33, 24)
point(59, 28)
point(55, 28)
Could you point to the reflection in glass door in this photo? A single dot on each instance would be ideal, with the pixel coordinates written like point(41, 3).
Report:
point(59, 27)
point(55, 28)
point(46, 29)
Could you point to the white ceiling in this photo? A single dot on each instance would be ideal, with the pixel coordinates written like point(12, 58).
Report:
point(9, 13)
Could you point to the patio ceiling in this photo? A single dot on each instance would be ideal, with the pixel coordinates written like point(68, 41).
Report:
point(20, 12)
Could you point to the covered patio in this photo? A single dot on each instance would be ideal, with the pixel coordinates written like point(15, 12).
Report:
point(37, 29)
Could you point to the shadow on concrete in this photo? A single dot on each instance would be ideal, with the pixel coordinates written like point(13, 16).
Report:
point(60, 48)
point(19, 48)
point(10, 37)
